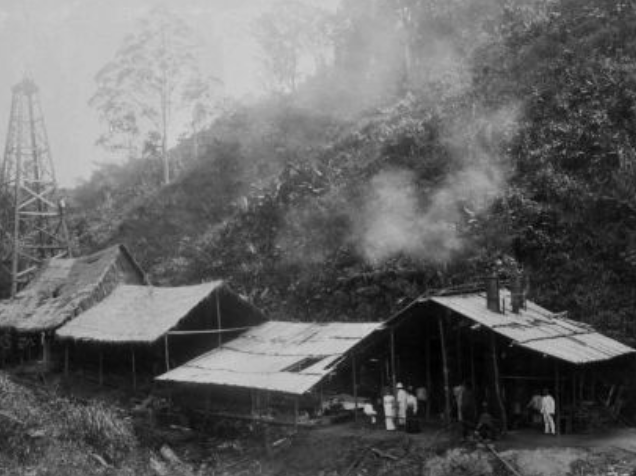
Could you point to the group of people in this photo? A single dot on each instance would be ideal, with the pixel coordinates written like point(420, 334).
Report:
point(401, 408)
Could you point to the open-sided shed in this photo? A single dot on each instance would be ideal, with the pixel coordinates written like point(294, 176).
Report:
point(289, 359)
point(167, 324)
point(505, 351)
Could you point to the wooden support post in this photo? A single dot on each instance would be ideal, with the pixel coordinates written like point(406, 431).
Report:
point(574, 373)
point(428, 372)
point(101, 367)
point(167, 352)
point(218, 317)
point(355, 387)
point(473, 378)
point(134, 368)
point(458, 343)
point(66, 360)
point(295, 412)
point(495, 368)
point(557, 400)
point(46, 349)
point(392, 350)
point(447, 392)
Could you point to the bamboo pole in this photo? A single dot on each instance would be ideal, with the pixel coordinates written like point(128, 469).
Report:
point(101, 366)
point(473, 379)
point(134, 368)
point(355, 387)
point(167, 352)
point(218, 318)
point(557, 411)
point(447, 397)
point(495, 367)
point(428, 372)
point(66, 359)
point(393, 376)
point(459, 354)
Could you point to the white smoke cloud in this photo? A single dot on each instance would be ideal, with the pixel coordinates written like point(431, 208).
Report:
point(397, 220)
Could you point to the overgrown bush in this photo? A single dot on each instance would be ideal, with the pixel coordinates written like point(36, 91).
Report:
point(96, 424)
point(459, 462)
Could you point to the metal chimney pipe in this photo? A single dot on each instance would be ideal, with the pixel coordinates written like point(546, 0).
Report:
point(492, 293)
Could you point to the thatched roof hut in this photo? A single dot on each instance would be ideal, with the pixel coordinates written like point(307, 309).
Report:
point(65, 287)
point(143, 314)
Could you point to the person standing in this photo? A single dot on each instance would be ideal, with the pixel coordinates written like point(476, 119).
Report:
point(548, 408)
point(402, 398)
point(458, 393)
point(412, 422)
point(422, 396)
point(534, 407)
point(468, 411)
point(388, 402)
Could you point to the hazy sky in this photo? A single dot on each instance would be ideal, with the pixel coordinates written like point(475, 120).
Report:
point(63, 43)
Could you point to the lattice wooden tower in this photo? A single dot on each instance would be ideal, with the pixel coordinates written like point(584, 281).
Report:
point(32, 224)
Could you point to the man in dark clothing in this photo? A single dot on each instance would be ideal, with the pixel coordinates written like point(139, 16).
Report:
point(468, 411)
point(486, 424)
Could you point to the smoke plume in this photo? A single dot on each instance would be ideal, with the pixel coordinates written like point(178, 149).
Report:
point(399, 220)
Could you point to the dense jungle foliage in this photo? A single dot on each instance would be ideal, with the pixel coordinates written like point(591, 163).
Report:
point(445, 138)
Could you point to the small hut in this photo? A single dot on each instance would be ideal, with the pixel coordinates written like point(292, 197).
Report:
point(61, 290)
point(145, 330)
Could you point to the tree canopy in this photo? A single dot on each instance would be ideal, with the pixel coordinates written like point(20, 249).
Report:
point(153, 78)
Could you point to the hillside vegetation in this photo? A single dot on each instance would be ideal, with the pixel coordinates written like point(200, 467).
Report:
point(505, 141)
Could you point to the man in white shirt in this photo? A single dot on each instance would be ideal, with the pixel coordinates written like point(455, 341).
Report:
point(401, 398)
point(548, 409)
point(388, 402)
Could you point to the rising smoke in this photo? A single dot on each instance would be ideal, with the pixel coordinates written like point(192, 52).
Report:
point(397, 220)
point(397, 217)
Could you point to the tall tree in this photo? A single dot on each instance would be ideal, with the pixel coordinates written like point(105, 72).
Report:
point(295, 40)
point(153, 77)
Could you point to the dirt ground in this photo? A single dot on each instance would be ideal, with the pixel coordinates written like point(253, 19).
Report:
point(346, 449)
point(352, 450)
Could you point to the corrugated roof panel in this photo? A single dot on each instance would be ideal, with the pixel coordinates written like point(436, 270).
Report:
point(538, 329)
point(261, 357)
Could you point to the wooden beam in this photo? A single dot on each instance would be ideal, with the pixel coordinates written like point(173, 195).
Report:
point(429, 378)
point(557, 412)
point(355, 386)
point(209, 331)
point(66, 361)
point(392, 350)
point(219, 324)
point(101, 367)
point(166, 352)
point(134, 368)
point(447, 396)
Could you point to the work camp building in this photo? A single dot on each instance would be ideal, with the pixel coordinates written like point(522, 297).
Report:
point(504, 349)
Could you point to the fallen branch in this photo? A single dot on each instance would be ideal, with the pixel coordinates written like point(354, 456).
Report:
point(383, 454)
point(100, 460)
point(505, 463)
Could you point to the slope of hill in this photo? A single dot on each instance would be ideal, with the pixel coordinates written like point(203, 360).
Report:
point(323, 215)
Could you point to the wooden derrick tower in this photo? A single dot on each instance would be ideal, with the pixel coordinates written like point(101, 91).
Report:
point(32, 224)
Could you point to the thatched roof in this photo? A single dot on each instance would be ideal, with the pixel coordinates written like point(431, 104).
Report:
point(64, 287)
point(137, 314)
